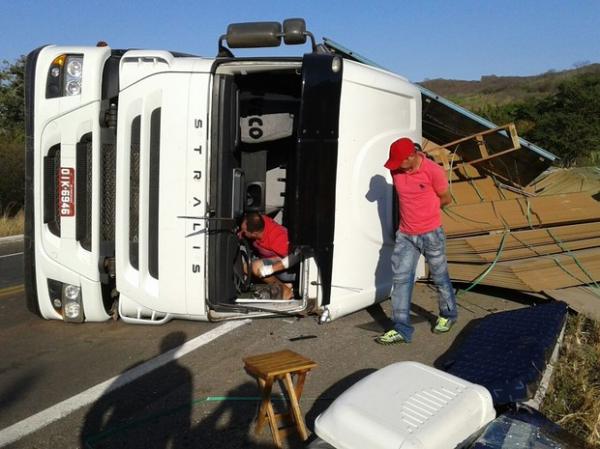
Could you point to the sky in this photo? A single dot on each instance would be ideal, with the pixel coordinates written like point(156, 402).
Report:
point(427, 39)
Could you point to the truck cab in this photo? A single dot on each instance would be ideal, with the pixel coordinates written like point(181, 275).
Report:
point(140, 165)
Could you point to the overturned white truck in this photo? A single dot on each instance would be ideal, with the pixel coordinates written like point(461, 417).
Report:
point(140, 164)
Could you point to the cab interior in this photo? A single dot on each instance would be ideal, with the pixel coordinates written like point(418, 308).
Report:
point(258, 104)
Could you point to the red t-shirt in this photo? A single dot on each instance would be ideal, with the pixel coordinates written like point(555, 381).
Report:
point(419, 203)
point(274, 241)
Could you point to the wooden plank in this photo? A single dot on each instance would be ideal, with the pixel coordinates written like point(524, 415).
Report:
point(475, 191)
point(510, 127)
point(464, 166)
point(523, 253)
point(535, 274)
point(520, 213)
point(584, 300)
point(445, 158)
point(491, 156)
point(525, 243)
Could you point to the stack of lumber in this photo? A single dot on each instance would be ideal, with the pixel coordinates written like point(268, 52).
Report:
point(544, 236)
point(518, 213)
point(523, 244)
point(536, 274)
point(477, 190)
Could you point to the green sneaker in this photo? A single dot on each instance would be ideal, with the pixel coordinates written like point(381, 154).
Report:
point(390, 338)
point(442, 325)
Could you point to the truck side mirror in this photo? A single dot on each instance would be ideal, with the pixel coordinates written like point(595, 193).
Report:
point(294, 31)
point(253, 34)
point(264, 34)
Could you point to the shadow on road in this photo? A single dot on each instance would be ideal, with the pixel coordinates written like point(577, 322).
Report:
point(155, 412)
point(231, 424)
point(150, 412)
point(16, 390)
point(381, 322)
point(524, 298)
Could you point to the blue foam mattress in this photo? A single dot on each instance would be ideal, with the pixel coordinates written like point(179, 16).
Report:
point(507, 352)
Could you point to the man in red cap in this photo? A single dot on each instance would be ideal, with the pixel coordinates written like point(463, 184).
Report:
point(422, 189)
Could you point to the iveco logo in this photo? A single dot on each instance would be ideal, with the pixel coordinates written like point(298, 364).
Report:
point(66, 205)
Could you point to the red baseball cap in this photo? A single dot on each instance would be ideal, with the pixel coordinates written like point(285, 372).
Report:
point(399, 152)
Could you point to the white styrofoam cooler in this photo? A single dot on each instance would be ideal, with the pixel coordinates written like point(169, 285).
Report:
point(406, 405)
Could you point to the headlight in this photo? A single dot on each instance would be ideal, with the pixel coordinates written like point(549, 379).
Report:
point(71, 292)
point(73, 88)
point(72, 310)
point(74, 67)
point(73, 79)
point(65, 76)
point(72, 306)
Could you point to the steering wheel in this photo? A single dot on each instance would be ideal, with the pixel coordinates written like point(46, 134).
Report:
point(242, 267)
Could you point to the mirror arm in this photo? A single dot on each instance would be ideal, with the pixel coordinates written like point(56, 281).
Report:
point(224, 52)
point(312, 40)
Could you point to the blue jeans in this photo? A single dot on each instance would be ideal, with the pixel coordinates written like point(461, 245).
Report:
point(406, 254)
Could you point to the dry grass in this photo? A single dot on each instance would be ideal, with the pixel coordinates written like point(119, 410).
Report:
point(573, 399)
point(12, 225)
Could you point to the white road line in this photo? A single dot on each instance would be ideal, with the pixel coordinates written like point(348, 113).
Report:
point(10, 255)
point(64, 408)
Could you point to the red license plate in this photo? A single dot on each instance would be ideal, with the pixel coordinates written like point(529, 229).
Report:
point(66, 182)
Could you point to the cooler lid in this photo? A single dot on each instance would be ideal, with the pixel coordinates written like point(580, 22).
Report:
point(406, 405)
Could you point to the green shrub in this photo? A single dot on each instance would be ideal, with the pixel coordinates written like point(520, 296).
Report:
point(12, 118)
point(12, 176)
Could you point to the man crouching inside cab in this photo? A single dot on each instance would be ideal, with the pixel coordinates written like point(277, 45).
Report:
point(270, 241)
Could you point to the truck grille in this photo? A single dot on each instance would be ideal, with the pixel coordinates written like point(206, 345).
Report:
point(83, 209)
point(109, 176)
point(154, 193)
point(134, 193)
point(51, 211)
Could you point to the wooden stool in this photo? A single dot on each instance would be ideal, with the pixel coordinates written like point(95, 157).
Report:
point(268, 368)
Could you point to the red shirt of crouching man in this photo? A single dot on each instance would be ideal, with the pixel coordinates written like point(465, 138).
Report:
point(270, 240)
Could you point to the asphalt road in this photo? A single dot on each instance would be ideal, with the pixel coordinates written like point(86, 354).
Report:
point(11, 270)
point(204, 399)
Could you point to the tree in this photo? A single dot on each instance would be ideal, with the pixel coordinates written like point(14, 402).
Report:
point(567, 123)
point(12, 135)
point(12, 94)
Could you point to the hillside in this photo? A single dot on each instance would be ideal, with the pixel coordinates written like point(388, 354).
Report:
point(559, 111)
point(500, 90)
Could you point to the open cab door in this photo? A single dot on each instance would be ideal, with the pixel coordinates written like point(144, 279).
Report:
point(376, 107)
point(311, 188)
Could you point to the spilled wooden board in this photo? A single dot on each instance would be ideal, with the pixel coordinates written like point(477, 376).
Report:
point(524, 243)
point(520, 213)
point(534, 274)
point(476, 191)
point(584, 300)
